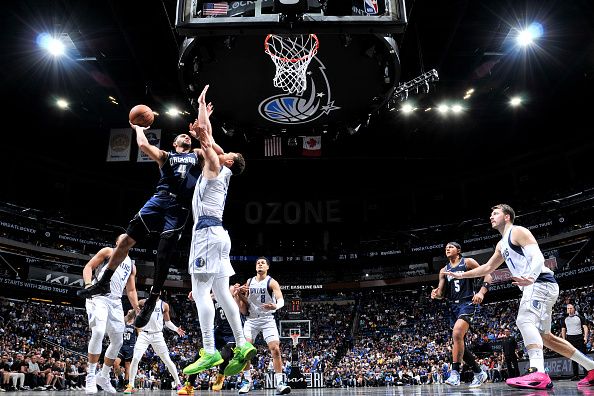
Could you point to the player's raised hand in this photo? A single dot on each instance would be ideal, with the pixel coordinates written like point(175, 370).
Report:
point(190, 297)
point(181, 331)
point(202, 97)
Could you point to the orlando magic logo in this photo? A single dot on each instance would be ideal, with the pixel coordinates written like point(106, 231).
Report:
point(313, 103)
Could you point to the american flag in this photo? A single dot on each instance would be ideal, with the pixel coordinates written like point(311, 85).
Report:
point(209, 9)
point(272, 146)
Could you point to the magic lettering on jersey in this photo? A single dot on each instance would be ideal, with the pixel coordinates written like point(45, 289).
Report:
point(182, 160)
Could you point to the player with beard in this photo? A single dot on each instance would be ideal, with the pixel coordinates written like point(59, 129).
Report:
point(165, 213)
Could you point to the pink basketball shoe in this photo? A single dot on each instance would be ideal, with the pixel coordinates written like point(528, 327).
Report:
point(588, 380)
point(533, 379)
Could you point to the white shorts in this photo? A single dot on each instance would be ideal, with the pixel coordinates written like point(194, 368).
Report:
point(536, 305)
point(209, 252)
point(105, 314)
point(156, 340)
point(266, 325)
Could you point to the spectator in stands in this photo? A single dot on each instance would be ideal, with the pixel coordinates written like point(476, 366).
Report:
point(574, 328)
point(510, 353)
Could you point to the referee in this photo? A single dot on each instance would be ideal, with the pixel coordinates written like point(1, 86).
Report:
point(574, 329)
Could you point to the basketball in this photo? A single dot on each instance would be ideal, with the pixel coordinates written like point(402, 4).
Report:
point(141, 115)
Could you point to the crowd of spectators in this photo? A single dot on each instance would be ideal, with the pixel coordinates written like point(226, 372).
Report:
point(376, 338)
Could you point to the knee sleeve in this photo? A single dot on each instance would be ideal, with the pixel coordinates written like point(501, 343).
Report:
point(529, 330)
point(115, 343)
point(96, 342)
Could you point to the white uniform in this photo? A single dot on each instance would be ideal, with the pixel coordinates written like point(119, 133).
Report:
point(152, 334)
point(259, 319)
point(538, 299)
point(209, 251)
point(106, 312)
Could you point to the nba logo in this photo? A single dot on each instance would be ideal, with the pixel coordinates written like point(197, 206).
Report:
point(371, 7)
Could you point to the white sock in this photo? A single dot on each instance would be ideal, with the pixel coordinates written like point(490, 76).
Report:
point(247, 374)
point(582, 360)
point(92, 368)
point(105, 370)
point(536, 359)
point(278, 378)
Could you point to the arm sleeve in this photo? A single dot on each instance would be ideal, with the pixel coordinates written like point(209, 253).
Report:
point(169, 324)
point(280, 303)
point(535, 260)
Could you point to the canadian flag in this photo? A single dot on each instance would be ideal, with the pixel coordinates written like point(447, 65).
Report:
point(312, 146)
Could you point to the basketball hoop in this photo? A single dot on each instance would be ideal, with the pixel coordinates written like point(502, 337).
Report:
point(291, 54)
point(295, 338)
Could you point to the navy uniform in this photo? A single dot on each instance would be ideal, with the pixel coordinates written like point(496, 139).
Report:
point(127, 349)
point(167, 211)
point(460, 293)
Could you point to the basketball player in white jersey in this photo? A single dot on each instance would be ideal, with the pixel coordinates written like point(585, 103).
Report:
point(209, 264)
point(260, 298)
point(519, 250)
point(106, 315)
point(152, 334)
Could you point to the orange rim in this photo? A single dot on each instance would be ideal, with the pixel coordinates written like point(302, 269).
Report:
point(292, 60)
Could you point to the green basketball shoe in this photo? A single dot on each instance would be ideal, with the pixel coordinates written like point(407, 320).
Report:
point(241, 356)
point(206, 361)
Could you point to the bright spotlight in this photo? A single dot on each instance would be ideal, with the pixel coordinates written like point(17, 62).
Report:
point(515, 101)
point(443, 108)
point(61, 103)
point(456, 108)
point(528, 35)
point(56, 47)
point(407, 108)
point(173, 112)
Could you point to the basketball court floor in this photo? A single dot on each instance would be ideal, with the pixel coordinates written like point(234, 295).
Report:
point(561, 388)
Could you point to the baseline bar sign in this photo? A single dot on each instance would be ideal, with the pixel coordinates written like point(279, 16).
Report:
point(312, 380)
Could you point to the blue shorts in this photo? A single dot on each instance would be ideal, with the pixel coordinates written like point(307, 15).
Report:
point(162, 214)
point(464, 310)
point(125, 354)
point(222, 339)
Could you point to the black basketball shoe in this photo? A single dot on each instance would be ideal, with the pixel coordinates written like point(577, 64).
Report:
point(147, 310)
point(98, 288)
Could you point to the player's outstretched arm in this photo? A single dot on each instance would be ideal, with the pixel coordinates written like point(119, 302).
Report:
point(95, 262)
point(169, 324)
point(482, 270)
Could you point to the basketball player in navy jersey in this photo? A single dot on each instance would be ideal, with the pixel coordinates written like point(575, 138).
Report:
point(166, 212)
point(126, 351)
point(464, 304)
point(520, 251)
point(106, 315)
point(261, 297)
point(209, 265)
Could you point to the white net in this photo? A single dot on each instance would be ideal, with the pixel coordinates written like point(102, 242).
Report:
point(291, 54)
point(295, 338)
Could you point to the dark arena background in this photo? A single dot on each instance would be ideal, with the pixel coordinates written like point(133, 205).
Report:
point(417, 118)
